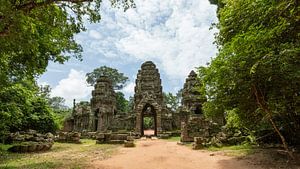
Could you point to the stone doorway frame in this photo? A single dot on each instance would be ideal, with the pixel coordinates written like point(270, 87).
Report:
point(140, 116)
point(153, 115)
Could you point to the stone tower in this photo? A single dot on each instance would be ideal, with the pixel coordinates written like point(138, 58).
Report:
point(148, 97)
point(103, 104)
point(191, 98)
point(193, 123)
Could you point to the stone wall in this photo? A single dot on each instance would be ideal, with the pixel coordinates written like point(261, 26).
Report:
point(30, 141)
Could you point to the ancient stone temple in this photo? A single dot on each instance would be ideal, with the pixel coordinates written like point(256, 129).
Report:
point(148, 99)
point(101, 113)
point(103, 104)
point(96, 115)
point(82, 116)
point(192, 99)
point(193, 123)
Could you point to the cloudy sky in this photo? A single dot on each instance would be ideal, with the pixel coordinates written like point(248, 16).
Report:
point(174, 34)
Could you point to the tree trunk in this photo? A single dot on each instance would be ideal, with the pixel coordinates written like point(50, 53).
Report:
point(263, 105)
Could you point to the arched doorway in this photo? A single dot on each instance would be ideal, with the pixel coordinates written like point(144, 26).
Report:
point(149, 120)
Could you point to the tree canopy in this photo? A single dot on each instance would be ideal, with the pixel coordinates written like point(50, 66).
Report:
point(173, 101)
point(118, 79)
point(34, 32)
point(256, 74)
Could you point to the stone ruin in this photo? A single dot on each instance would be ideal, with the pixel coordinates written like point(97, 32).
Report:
point(103, 104)
point(101, 120)
point(193, 123)
point(30, 141)
point(148, 100)
point(101, 114)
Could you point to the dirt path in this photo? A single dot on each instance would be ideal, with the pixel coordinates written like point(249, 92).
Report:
point(161, 154)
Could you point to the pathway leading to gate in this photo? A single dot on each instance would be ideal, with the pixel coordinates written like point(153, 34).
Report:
point(162, 154)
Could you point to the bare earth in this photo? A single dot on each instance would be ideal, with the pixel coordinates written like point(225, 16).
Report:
point(161, 154)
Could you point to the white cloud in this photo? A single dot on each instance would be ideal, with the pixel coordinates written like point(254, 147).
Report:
point(94, 34)
point(128, 90)
point(72, 87)
point(175, 34)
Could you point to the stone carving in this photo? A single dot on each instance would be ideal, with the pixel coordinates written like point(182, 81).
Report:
point(193, 123)
point(192, 99)
point(103, 104)
point(148, 95)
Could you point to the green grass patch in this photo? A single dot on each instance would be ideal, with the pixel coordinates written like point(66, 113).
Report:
point(173, 139)
point(235, 150)
point(66, 155)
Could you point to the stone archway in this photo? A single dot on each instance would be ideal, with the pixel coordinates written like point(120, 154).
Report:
point(149, 113)
point(148, 93)
point(146, 102)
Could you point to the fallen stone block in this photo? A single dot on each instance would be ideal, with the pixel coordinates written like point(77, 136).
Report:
point(129, 144)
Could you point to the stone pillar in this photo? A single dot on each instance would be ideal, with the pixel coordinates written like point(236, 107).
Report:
point(148, 92)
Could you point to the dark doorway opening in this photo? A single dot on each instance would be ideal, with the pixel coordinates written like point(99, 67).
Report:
point(96, 119)
point(149, 124)
point(198, 110)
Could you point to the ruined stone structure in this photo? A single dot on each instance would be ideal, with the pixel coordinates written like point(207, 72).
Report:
point(148, 97)
point(192, 99)
point(82, 117)
point(102, 116)
point(193, 123)
point(103, 104)
point(96, 115)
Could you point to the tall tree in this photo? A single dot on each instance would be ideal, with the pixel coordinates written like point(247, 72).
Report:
point(34, 32)
point(118, 79)
point(256, 72)
point(172, 101)
point(122, 103)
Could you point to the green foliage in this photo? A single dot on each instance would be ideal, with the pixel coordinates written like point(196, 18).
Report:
point(118, 79)
point(22, 108)
point(122, 103)
point(57, 103)
point(148, 123)
point(172, 101)
point(32, 33)
point(257, 71)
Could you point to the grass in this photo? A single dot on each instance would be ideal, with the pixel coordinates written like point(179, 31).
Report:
point(235, 150)
point(62, 155)
point(176, 139)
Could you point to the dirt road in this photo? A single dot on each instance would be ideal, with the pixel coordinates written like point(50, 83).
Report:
point(161, 154)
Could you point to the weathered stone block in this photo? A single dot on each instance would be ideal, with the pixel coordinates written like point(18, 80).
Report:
point(130, 138)
point(197, 146)
point(129, 144)
point(198, 140)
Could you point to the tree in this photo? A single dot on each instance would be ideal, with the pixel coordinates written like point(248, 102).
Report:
point(57, 103)
point(118, 79)
point(256, 72)
point(22, 108)
point(122, 103)
point(172, 101)
point(34, 32)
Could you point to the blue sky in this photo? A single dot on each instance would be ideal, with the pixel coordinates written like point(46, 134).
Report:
point(174, 34)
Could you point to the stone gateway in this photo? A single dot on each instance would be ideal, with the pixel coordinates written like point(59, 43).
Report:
point(101, 114)
point(148, 97)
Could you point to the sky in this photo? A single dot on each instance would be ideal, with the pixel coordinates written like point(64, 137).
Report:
point(174, 34)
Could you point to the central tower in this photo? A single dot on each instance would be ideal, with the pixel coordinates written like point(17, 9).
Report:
point(148, 97)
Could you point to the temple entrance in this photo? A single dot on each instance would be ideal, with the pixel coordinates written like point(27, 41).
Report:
point(149, 122)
